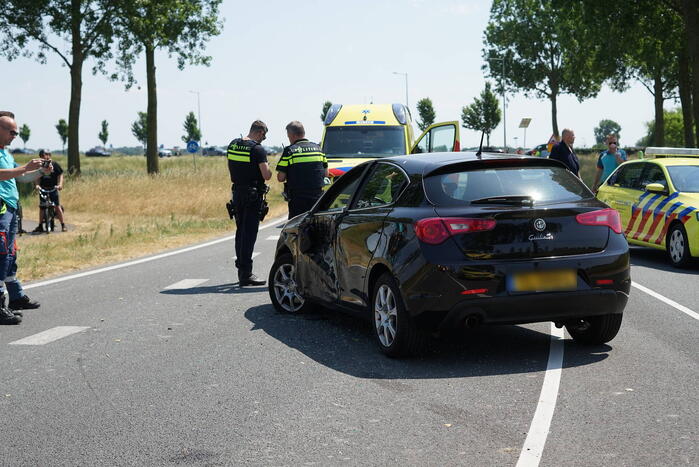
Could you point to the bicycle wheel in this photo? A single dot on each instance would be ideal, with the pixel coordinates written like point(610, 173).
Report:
point(46, 223)
point(52, 216)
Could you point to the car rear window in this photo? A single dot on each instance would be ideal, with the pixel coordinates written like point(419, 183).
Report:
point(543, 184)
point(685, 177)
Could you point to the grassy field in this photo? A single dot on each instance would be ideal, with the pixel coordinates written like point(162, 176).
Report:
point(120, 212)
point(116, 211)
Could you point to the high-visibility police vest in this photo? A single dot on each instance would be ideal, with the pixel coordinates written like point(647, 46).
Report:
point(244, 171)
point(304, 164)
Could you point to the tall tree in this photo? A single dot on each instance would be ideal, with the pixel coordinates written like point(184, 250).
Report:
point(180, 27)
point(62, 129)
point(606, 127)
point(545, 51)
point(139, 129)
point(104, 133)
point(24, 134)
point(191, 129)
point(483, 114)
point(426, 112)
point(673, 127)
point(324, 112)
point(75, 30)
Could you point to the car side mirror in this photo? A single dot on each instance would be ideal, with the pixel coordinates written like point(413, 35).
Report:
point(656, 188)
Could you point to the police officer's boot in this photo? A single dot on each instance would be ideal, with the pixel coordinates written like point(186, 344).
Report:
point(7, 316)
point(249, 279)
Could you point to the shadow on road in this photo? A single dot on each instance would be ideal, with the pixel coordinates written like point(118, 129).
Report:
point(657, 259)
point(346, 344)
point(231, 288)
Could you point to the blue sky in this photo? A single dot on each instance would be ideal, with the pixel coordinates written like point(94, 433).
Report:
point(279, 61)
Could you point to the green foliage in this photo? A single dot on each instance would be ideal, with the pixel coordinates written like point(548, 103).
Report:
point(104, 134)
point(426, 112)
point(191, 129)
point(324, 112)
point(674, 130)
point(139, 128)
point(545, 50)
point(606, 127)
point(62, 129)
point(484, 114)
point(24, 133)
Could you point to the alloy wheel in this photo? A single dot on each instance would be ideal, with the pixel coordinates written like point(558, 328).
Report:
point(285, 290)
point(385, 315)
point(676, 246)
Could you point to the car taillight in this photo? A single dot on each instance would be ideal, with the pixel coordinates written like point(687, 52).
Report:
point(609, 217)
point(435, 230)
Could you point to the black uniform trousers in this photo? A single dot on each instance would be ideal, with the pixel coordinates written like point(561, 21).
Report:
point(302, 202)
point(247, 202)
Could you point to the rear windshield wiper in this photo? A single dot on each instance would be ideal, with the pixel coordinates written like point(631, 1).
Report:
point(507, 199)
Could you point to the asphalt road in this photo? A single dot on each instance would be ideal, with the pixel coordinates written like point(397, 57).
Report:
point(206, 373)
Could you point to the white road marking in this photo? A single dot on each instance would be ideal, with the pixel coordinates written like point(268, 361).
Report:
point(672, 303)
point(539, 429)
point(273, 237)
point(272, 223)
point(49, 335)
point(185, 284)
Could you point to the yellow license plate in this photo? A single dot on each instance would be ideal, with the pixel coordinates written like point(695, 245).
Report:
point(545, 281)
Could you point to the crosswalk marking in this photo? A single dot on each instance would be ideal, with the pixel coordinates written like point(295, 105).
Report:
point(185, 284)
point(49, 335)
point(273, 237)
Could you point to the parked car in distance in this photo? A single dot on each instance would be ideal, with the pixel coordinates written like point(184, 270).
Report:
point(437, 242)
point(22, 151)
point(98, 151)
point(541, 150)
point(162, 152)
point(213, 151)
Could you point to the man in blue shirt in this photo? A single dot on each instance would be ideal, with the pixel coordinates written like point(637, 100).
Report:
point(608, 161)
point(9, 198)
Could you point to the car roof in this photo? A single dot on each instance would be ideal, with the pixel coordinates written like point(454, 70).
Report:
point(427, 163)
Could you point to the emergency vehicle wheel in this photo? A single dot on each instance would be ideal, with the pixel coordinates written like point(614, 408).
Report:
point(678, 246)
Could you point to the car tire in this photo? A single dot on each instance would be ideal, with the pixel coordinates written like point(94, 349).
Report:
point(595, 330)
point(392, 325)
point(282, 287)
point(677, 246)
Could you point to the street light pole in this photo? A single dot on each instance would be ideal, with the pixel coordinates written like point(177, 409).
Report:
point(504, 102)
point(407, 104)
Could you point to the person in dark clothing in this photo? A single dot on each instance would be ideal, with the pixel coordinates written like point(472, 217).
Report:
point(247, 164)
point(303, 167)
point(563, 152)
point(49, 182)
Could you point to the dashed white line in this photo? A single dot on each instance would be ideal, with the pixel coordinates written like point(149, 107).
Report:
point(185, 284)
point(273, 237)
point(254, 254)
point(49, 335)
point(672, 303)
point(539, 429)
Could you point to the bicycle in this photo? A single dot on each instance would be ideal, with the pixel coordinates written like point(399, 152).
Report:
point(48, 209)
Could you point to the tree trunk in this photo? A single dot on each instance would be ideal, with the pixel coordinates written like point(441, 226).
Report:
point(76, 86)
point(685, 88)
point(659, 137)
point(152, 144)
point(691, 24)
point(554, 115)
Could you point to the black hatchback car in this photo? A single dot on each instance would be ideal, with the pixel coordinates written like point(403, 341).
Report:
point(441, 241)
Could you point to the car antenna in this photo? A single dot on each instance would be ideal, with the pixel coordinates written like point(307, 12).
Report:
point(480, 148)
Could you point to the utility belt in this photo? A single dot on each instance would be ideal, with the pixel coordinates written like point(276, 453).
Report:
point(247, 194)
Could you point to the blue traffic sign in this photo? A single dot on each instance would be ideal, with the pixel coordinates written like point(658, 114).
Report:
point(192, 146)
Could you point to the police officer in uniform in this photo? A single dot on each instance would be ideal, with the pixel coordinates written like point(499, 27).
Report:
point(303, 167)
point(247, 164)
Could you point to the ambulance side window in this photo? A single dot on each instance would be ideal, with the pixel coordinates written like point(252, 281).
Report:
point(653, 174)
point(628, 176)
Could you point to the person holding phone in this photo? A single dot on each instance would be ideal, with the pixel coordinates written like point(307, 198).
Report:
point(49, 181)
point(608, 160)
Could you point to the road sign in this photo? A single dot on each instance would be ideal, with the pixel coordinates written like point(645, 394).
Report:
point(525, 123)
point(192, 146)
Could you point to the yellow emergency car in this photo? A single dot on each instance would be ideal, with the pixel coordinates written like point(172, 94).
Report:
point(658, 200)
point(356, 133)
